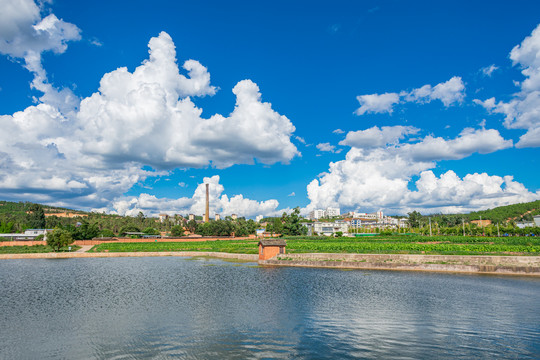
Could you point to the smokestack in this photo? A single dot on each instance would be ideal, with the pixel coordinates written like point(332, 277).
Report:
point(207, 213)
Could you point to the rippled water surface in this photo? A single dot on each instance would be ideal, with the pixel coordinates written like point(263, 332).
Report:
point(157, 308)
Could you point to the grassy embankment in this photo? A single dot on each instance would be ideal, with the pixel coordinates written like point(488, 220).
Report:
point(33, 249)
point(394, 244)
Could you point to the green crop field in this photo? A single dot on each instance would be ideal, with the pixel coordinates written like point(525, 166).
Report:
point(32, 249)
point(230, 246)
point(397, 244)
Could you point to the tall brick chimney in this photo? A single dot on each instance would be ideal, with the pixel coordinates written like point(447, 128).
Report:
point(207, 213)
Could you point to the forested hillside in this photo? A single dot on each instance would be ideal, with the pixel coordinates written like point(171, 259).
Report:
point(517, 212)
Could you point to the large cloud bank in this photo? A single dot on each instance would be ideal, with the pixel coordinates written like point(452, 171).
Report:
point(220, 203)
point(378, 169)
point(88, 152)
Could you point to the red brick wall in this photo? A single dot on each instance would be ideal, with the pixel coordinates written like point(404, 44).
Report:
point(268, 252)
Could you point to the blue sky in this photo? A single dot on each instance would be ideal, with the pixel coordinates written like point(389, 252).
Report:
point(364, 105)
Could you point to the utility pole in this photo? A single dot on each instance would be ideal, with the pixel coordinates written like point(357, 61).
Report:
point(430, 226)
point(498, 233)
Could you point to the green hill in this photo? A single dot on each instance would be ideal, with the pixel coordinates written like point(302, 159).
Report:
point(523, 211)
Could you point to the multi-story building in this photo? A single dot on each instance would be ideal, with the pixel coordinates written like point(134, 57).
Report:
point(317, 214)
point(326, 228)
point(330, 212)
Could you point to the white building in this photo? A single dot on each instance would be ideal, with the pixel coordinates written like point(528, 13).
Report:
point(258, 218)
point(403, 222)
point(524, 224)
point(29, 234)
point(327, 228)
point(332, 211)
point(317, 214)
point(537, 220)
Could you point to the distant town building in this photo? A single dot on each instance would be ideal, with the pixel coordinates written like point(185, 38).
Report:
point(331, 212)
point(327, 228)
point(191, 217)
point(317, 214)
point(403, 222)
point(163, 217)
point(217, 217)
point(29, 234)
point(537, 220)
point(258, 218)
point(234, 216)
point(525, 224)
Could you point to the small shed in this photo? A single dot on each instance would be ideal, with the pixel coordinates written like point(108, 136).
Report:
point(268, 248)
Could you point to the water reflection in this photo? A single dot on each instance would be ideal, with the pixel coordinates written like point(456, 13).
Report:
point(174, 307)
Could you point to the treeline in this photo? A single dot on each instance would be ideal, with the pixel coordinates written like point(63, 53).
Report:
point(287, 224)
point(17, 217)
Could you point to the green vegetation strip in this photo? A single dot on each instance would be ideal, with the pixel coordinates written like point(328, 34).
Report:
point(442, 245)
point(33, 249)
point(237, 247)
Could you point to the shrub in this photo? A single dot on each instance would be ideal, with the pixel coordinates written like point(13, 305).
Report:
point(151, 231)
point(177, 230)
point(106, 233)
point(59, 238)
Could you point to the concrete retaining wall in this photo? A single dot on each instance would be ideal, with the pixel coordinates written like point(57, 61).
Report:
point(517, 265)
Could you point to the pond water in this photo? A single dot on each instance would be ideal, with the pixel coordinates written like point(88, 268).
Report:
point(165, 307)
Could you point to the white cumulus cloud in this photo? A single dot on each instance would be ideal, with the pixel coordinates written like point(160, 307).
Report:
point(24, 34)
point(87, 156)
point(376, 103)
point(377, 173)
point(326, 147)
point(523, 110)
point(488, 70)
point(375, 137)
point(220, 203)
point(449, 92)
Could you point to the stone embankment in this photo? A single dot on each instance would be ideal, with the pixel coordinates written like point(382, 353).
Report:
point(510, 265)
